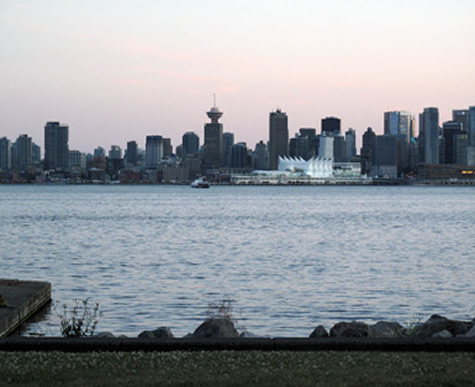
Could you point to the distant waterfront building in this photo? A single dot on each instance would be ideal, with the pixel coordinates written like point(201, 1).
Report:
point(99, 152)
point(23, 151)
point(299, 146)
point(278, 137)
point(132, 155)
point(213, 145)
point(167, 147)
point(115, 152)
point(331, 125)
point(261, 156)
point(56, 146)
point(228, 142)
point(461, 115)
point(385, 161)
point(77, 162)
point(471, 136)
point(5, 154)
point(35, 154)
point(313, 140)
point(339, 148)
point(239, 155)
point(398, 123)
point(350, 139)
point(326, 146)
point(153, 151)
point(450, 131)
point(190, 144)
point(429, 127)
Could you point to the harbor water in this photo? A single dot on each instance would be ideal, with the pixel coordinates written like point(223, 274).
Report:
point(291, 258)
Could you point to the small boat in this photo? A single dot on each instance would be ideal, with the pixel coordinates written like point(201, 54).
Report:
point(200, 183)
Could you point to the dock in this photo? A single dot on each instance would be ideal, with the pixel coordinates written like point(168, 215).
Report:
point(23, 299)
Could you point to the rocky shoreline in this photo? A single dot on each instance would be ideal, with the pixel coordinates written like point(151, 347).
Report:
point(435, 327)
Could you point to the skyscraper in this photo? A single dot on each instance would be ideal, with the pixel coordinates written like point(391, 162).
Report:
point(330, 125)
point(153, 151)
point(190, 144)
point(398, 123)
point(213, 146)
point(261, 156)
point(471, 136)
point(430, 128)
point(23, 153)
point(132, 153)
point(5, 154)
point(56, 146)
point(228, 142)
point(350, 138)
point(278, 137)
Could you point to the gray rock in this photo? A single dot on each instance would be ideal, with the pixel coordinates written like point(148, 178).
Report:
point(350, 329)
point(443, 334)
point(436, 324)
point(216, 327)
point(319, 331)
point(470, 333)
point(159, 333)
point(385, 329)
point(104, 335)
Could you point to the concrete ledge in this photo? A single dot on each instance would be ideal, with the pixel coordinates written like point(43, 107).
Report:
point(238, 344)
point(24, 298)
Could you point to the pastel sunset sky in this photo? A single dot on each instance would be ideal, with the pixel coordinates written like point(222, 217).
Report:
point(118, 70)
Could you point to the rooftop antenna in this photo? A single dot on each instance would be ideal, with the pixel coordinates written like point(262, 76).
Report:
point(214, 99)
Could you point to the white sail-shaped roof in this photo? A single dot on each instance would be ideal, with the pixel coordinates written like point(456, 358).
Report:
point(315, 167)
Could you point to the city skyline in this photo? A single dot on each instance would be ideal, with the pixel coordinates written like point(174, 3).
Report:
point(120, 73)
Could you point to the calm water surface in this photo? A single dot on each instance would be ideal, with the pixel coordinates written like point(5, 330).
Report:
point(291, 257)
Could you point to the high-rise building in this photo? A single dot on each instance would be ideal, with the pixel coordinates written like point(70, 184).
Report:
point(261, 156)
point(153, 151)
point(325, 150)
point(385, 160)
point(99, 152)
point(430, 128)
point(239, 155)
point(5, 154)
point(23, 153)
point(167, 147)
point(399, 123)
point(339, 148)
point(367, 150)
point(115, 152)
point(132, 155)
point(350, 138)
point(331, 125)
point(35, 154)
point(213, 146)
point(190, 144)
point(56, 146)
point(77, 162)
point(461, 115)
point(278, 137)
point(228, 142)
point(450, 130)
point(299, 146)
point(471, 136)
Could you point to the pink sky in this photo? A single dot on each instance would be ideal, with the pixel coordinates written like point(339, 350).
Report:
point(117, 71)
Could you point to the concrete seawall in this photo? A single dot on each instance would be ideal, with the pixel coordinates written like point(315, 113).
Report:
point(23, 299)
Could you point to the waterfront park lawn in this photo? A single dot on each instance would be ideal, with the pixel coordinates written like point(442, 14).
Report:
point(279, 368)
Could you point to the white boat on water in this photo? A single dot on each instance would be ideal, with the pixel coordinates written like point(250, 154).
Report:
point(200, 183)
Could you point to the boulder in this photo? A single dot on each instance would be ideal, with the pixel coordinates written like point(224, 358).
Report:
point(350, 329)
point(216, 327)
point(247, 334)
point(159, 333)
point(470, 333)
point(436, 324)
point(104, 335)
point(443, 334)
point(385, 329)
point(318, 332)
